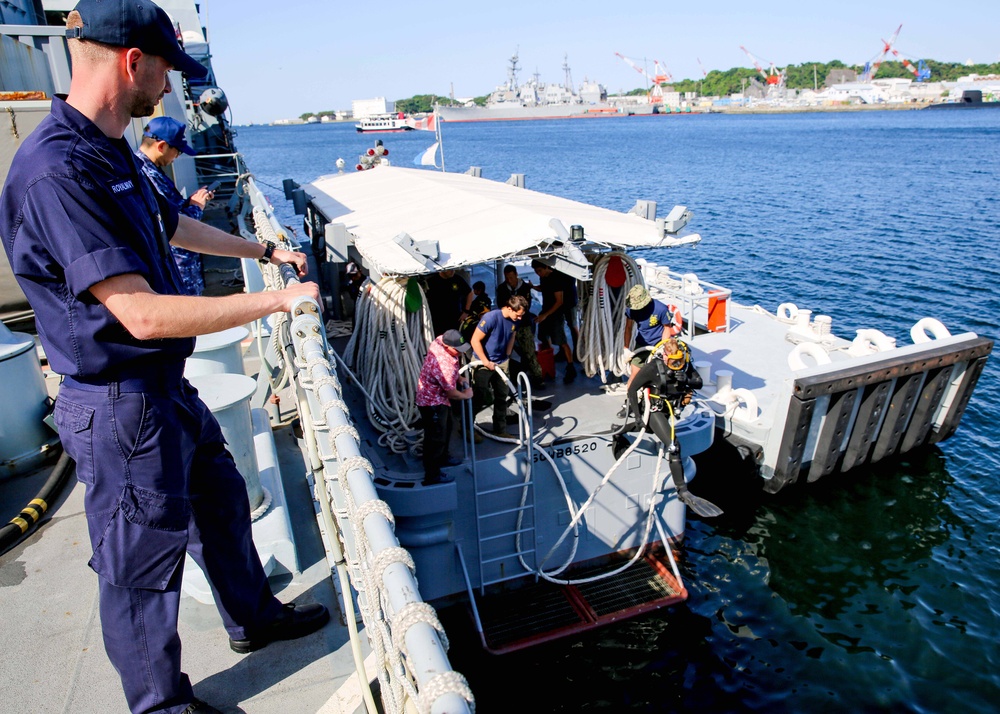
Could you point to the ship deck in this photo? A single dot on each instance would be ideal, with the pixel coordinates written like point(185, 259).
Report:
point(51, 614)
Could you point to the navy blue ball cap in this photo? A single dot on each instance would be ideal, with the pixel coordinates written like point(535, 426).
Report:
point(169, 130)
point(134, 23)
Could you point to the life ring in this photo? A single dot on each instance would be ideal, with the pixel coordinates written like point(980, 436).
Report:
point(869, 341)
point(788, 312)
point(745, 405)
point(816, 351)
point(937, 330)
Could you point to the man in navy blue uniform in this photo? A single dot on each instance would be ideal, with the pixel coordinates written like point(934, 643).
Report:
point(492, 343)
point(88, 242)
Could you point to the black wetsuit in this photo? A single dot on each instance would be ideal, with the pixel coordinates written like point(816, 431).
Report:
point(664, 384)
point(667, 385)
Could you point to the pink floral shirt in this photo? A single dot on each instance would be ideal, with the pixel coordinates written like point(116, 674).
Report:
point(438, 376)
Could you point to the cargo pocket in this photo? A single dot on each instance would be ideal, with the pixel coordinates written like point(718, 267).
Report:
point(75, 425)
point(145, 540)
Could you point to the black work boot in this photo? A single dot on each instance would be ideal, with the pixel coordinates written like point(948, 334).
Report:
point(294, 621)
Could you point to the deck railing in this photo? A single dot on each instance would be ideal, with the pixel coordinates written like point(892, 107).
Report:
point(358, 527)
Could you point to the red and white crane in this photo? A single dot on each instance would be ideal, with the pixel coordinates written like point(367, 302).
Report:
point(871, 67)
point(661, 75)
point(772, 77)
point(920, 72)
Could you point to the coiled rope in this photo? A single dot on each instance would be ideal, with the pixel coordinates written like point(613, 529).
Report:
point(386, 352)
point(602, 334)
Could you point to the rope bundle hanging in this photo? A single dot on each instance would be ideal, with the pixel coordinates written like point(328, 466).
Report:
point(387, 351)
point(603, 330)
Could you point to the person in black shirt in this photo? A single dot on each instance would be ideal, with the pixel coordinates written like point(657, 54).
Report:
point(447, 300)
point(557, 289)
point(354, 279)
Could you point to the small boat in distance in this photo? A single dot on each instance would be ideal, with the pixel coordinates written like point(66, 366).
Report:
point(393, 122)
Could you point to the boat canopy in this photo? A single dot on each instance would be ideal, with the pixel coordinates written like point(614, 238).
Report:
point(415, 221)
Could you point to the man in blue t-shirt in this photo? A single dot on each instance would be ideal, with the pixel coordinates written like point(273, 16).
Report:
point(525, 355)
point(492, 342)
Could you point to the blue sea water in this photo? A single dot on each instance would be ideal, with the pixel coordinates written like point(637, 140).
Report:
point(875, 591)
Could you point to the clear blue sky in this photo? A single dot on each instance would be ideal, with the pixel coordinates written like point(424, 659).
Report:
point(280, 59)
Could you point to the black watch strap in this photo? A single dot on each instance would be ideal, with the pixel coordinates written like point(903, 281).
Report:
point(268, 252)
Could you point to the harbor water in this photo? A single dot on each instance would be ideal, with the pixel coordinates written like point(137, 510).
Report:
point(875, 591)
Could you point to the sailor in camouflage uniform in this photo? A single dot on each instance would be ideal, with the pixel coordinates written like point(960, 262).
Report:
point(162, 142)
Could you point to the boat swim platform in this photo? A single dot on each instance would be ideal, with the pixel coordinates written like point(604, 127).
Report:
point(538, 611)
point(822, 419)
point(855, 402)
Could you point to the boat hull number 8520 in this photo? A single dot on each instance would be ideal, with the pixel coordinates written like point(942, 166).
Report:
point(561, 452)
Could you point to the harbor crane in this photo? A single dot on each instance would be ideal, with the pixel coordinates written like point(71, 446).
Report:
point(773, 77)
point(920, 72)
point(660, 77)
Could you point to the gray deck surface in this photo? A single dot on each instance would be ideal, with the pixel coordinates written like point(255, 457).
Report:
point(51, 625)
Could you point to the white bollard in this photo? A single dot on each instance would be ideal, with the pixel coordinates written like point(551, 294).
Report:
point(723, 380)
point(23, 434)
point(228, 396)
point(704, 368)
point(217, 353)
point(822, 324)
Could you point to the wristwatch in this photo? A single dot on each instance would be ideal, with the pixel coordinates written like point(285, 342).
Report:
point(268, 252)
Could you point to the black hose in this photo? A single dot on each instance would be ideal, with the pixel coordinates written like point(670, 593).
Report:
point(32, 513)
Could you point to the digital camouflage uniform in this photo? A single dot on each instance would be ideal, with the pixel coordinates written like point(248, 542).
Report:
point(188, 263)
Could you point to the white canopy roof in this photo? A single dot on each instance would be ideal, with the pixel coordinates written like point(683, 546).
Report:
point(397, 215)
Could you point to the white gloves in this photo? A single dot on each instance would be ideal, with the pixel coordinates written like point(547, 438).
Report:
point(628, 355)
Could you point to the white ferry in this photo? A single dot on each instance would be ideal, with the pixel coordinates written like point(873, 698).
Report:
point(384, 123)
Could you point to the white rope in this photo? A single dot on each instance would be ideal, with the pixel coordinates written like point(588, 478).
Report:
point(376, 506)
point(444, 683)
point(602, 334)
point(388, 556)
point(397, 685)
point(327, 380)
point(387, 352)
point(337, 431)
point(583, 509)
point(265, 502)
point(410, 614)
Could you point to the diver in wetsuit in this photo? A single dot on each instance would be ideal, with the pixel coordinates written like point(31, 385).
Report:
point(670, 382)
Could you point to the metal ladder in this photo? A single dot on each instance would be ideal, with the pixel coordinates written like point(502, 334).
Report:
point(505, 513)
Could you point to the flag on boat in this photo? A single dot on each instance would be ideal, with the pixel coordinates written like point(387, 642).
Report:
point(427, 123)
point(429, 157)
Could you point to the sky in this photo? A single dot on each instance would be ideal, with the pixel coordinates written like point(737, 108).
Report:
point(280, 60)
